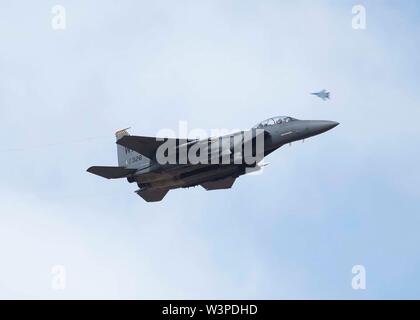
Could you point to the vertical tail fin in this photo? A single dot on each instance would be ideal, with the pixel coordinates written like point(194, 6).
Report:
point(128, 158)
point(121, 151)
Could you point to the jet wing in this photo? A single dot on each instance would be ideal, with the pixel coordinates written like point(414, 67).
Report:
point(111, 172)
point(147, 146)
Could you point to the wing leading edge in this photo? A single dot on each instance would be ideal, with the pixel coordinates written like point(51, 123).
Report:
point(148, 146)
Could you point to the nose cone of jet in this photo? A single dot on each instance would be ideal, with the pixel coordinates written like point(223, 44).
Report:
point(320, 126)
point(327, 125)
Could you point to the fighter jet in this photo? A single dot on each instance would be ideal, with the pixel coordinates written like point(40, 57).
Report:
point(324, 94)
point(144, 160)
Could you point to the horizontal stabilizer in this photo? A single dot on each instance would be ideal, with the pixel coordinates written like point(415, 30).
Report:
point(219, 184)
point(152, 195)
point(111, 172)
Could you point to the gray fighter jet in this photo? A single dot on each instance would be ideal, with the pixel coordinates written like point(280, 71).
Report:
point(324, 94)
point(225, 158)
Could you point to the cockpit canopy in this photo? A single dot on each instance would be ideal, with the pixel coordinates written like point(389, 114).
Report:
point(274, 121)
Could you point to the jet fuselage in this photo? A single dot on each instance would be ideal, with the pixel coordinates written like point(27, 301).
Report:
point(138, 161)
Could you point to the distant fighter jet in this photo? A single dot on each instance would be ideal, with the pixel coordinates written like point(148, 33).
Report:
point(324, 94)
point(139, 157)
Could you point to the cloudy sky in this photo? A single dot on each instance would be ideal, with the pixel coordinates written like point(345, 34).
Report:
point(348, 197)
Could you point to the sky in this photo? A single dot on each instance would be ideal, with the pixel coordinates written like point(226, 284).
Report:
point(347, 197)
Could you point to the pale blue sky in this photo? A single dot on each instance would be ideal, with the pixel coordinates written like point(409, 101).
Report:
point(347, 197)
